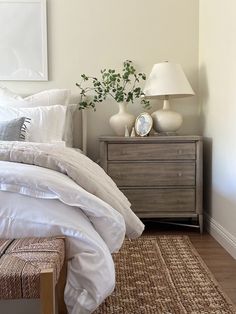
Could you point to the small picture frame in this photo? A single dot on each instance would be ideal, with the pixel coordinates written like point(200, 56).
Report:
point(143, 124)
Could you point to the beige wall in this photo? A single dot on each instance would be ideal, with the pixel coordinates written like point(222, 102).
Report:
point(86, 35)
point(217, 77)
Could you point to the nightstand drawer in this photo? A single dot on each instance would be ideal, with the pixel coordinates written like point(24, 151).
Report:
point(152, 174)
point(161, 200)
point(151, 151)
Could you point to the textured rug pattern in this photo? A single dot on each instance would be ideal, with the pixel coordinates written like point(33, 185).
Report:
point(164, 275)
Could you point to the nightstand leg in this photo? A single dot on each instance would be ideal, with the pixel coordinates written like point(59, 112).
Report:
point(201, 223)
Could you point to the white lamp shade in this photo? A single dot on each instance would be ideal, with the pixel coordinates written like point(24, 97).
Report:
point(167, 79)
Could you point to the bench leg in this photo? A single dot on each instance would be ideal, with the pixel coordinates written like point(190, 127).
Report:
point(47, 292)
point(60, 288)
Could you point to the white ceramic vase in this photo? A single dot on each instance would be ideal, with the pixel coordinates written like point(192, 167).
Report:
point(119, 121)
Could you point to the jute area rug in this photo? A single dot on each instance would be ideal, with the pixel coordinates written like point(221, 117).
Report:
point(164, 274)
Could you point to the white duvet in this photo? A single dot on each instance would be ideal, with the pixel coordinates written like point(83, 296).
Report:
point(71, 196)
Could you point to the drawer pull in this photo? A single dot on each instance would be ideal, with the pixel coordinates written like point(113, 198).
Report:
point(180, 174)
point(180, 152)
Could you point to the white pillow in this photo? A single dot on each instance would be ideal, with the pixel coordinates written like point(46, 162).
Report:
point(45, 98)
point(47, 122)
point(7, 96)
point(48, 98)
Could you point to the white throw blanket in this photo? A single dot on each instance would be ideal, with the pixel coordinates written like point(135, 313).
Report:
point(78, 200)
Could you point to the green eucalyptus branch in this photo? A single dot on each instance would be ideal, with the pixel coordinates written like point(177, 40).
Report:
point(120, 86)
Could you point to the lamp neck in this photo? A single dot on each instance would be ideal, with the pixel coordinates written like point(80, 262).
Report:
point(166, 105)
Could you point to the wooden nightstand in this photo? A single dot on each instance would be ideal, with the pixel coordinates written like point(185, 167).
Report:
point(160, 175)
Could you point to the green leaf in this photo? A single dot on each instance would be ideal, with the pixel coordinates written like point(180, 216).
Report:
point(122, 86)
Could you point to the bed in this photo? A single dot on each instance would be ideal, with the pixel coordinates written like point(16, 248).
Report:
point(48, 188)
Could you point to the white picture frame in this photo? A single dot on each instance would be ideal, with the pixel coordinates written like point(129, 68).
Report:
point(23, 40)
point(143, 124)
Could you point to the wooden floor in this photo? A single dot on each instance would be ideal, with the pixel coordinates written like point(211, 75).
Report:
point(219, 261)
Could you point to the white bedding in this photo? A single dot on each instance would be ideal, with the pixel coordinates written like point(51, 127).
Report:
point(36, 201)
point(90, 268)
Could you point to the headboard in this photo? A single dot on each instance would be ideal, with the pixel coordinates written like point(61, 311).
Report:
point(80, 130)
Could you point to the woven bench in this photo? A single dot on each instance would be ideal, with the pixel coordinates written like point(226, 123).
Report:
point(32, 268)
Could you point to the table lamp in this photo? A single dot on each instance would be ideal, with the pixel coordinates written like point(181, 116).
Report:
point(167, 80)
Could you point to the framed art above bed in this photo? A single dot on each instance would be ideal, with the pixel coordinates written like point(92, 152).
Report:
point(23, 44)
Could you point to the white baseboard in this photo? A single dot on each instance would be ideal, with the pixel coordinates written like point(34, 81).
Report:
point(226, 239)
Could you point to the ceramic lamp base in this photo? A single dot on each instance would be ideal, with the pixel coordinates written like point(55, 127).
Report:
point(166, 121)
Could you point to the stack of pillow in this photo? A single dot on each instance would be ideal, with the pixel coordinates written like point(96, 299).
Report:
point(45, 117)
